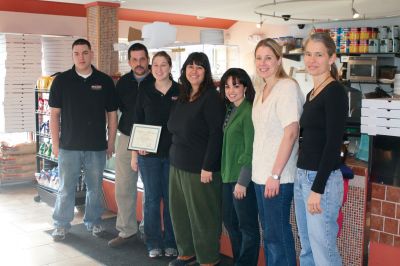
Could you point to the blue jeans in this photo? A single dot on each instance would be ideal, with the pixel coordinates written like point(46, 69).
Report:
point(155, 176)
point(318, 232)
point(240, 219)
point(274, 215)
point(70, 163)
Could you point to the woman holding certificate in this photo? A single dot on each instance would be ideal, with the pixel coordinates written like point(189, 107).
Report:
point(153, 106)
point(195, 155)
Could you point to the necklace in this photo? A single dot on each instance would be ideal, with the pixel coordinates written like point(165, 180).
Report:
point(317, 89)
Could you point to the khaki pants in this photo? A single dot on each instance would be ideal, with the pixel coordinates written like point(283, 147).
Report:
point(195, 210)
point(125, 189)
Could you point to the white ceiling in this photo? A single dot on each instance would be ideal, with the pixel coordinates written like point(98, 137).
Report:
point(244, 10)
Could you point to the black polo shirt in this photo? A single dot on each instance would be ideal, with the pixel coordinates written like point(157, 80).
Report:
point(84, 103)
point(127, 90)
point(153, 108)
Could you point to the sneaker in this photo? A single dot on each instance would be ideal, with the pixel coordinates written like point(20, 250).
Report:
point(119, 241)
point(98, 231)
point(59, 234)
point(170, 252)
point(154, 253)
point(182, 262)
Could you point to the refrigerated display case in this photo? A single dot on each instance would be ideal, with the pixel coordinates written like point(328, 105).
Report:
point(109, 183)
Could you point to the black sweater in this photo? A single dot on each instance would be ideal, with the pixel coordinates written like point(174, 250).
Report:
point(127, 90)
point(196, 129)
point(322, 124)
point(153, 108)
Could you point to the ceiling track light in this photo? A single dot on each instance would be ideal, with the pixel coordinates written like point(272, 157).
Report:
point(273, 10)
point(354, 11)
point(259, 24)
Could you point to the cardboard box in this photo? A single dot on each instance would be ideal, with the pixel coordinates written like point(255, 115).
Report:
point(134, 34)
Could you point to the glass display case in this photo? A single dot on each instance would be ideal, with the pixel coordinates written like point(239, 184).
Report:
point(221, 57)
point(109, 170)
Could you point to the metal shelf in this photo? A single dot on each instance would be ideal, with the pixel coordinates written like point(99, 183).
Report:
point(46, 158)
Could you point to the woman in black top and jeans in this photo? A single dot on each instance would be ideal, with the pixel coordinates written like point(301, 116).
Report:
point(153, 105)
point(319, 183)
point(195, 155)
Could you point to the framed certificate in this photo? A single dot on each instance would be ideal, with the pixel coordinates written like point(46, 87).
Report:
point(144, 137)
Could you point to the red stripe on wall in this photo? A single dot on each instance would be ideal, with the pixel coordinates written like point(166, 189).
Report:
point(175, 19)
point(43, 7)
point(78, 10)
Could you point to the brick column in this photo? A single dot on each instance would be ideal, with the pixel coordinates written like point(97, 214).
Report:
point(102, 33)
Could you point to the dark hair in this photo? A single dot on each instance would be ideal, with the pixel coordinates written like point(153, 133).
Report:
point(327, 41)
point(277, 50)
point(199, 59)
point(137, 47)
point(81, 42)
point(167, 57)
point(240, 76)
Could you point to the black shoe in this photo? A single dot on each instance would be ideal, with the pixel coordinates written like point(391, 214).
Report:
point(181, 262)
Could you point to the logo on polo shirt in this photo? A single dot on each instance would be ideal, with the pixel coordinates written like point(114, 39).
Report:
point(174, 98)
point(96, 87)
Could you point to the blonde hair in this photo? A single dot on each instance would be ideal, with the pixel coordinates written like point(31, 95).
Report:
point(277, 50)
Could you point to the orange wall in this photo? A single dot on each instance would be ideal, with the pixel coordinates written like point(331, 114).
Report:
point(383, 255)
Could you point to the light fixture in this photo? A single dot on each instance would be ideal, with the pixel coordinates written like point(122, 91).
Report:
point(355, 13)
point(289, 11)
point(259, 24)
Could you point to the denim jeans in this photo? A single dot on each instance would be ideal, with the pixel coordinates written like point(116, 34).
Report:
point(70, 163)
point(240, 217)
point(318, 232)
point(155, 176)
point(274, 215)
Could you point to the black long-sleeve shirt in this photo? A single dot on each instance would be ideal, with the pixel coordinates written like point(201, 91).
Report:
point(322, 123)
point(127, 89)
point(196, 129)
point(153, 108)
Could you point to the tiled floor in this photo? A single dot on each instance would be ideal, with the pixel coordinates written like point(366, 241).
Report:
point(23, 240)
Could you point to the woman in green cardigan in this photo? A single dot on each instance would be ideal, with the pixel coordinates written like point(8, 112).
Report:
point(240, 215)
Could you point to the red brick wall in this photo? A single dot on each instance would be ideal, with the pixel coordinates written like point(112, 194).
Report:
point(102, 32)
point(385, 215)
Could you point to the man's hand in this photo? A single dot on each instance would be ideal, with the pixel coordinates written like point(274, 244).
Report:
point(110, 150)
point(54, 150)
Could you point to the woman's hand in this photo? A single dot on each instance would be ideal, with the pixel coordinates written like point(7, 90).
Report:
point(271, 187)
point(205, 176)
point(239, 192)
point(314, 203)
point(142, 152)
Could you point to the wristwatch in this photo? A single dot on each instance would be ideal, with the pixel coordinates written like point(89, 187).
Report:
point(275, 176)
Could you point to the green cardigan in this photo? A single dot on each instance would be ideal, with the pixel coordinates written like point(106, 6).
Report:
point(237, 147)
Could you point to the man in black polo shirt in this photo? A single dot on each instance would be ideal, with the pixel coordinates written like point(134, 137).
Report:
point(126, 176)
point(84, 99)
